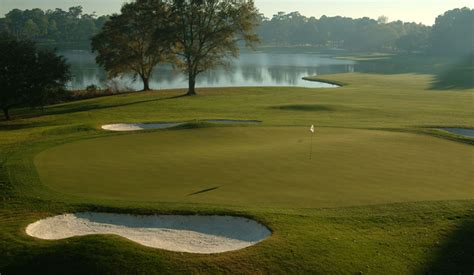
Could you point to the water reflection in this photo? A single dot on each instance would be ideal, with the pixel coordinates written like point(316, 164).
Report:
point(251, 69)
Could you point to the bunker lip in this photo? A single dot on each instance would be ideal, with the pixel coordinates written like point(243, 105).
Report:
point(123, 127)
point(466, 132)
point(178, 233)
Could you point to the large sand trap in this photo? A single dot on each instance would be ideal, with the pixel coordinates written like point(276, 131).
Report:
point(193, 234)
point(123, 127)
point(460, 131)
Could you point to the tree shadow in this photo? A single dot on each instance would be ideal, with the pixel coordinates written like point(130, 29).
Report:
point(203, 191)
point(456, 253)
point(9, 126)
point(304, 107)
point(457, 76)
point(81, 106)
point(451, 72)
point(403, 63)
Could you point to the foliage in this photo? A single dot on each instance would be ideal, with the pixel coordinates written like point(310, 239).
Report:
point(129, 42)
point(206, 32)
point(451, 35)
point(52, 25)
point(453, 32)
point(459, 75)
point(366, 34)
point(29, 76)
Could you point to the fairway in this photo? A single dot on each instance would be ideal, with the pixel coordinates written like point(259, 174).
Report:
point(262, 166)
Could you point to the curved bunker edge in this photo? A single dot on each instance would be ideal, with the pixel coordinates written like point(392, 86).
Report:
point(178, 233)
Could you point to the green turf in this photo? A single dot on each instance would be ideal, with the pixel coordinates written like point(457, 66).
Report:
point(262, 166)
point(377, 145)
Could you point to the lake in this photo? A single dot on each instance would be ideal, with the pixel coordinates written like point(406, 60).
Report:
point(251, 69)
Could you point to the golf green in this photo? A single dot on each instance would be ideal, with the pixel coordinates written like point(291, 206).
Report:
point(262, 166)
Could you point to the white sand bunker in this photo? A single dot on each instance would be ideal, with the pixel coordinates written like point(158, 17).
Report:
point(193, 234)
point(123, 127)
point(138, 126)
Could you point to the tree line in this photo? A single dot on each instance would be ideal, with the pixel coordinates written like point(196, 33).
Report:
point(362, 34)
point(52, 25)
point(451, 34)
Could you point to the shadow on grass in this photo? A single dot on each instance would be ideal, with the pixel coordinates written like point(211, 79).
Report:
point(86, 255)
point(451, 72)
point(8, 125)
point(457, 76)
point(304, 107)
point(456, 253)
point(404, 63)
point(84, 106)
point(203, 191)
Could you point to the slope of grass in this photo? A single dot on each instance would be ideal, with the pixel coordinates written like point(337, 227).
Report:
point(312, 231)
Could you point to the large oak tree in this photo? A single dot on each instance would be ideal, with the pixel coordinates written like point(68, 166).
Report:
point(29, 77)
point(130, 42)
point(206, 33)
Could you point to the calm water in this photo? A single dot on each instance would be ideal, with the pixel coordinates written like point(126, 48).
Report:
point(251, 69)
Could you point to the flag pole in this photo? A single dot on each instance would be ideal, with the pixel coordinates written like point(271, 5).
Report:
point(311, 146)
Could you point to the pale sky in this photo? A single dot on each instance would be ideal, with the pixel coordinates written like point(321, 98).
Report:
point(424, 11)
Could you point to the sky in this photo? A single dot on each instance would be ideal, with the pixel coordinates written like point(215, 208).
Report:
point(419, 11)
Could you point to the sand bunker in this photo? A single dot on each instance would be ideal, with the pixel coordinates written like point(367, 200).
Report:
point(123, 127)
point(460, 131)
point(138, 126)
point(193, 234)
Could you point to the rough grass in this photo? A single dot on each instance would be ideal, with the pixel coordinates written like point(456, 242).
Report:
point(414, 162)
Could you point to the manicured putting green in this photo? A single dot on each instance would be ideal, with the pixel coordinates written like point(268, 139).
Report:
point(258, 166)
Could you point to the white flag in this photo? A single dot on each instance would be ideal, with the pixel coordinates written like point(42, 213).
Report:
point(312, 129)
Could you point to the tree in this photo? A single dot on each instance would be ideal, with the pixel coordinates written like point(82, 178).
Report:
point(382, 19)
point(130, 42)
point(415, 38)
point(453, 33)
point(31, 29)
point(205, 32)
point(4, 25)
point(28, 77)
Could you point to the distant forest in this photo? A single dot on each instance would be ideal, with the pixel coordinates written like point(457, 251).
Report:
point(452, 34)
point(53, 26)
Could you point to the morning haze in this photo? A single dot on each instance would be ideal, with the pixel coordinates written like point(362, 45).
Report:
point(419, 11)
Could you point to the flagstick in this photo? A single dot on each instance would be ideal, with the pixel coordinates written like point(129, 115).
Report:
point(311, 148)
